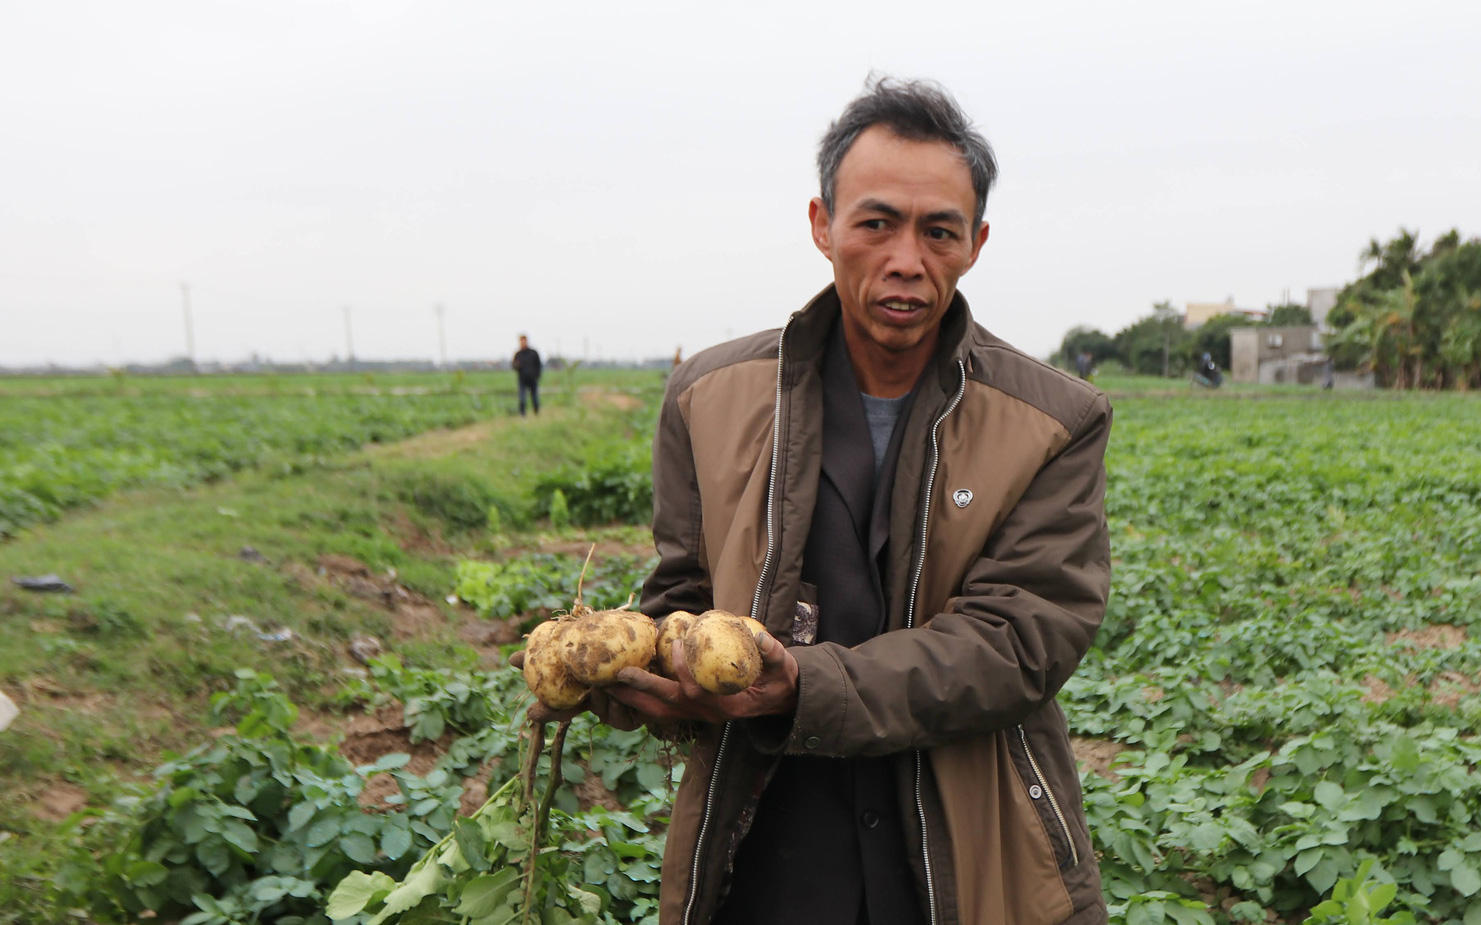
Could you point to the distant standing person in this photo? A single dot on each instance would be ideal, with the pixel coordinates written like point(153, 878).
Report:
point(1083, 363)
point(527, 367)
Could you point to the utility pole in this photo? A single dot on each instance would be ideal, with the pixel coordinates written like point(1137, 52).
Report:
point(189, 328)
point(441, 341)
point(349, 340)
point(1166, 345)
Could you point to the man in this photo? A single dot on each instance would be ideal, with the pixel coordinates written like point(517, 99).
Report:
point(1083, 363)
point(1208, 371)
point(915, 511)
point(526, 366)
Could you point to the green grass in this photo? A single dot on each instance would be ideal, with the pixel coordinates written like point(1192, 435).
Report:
point(269, 384)
point(65, 443)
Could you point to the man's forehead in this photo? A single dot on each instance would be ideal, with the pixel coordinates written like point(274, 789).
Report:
point(881, 166)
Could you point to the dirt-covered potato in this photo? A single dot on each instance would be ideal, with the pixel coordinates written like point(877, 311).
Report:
point(755, 626)
point(600, 644)
point(671, 629)
point(721, 652)
point(546, 673)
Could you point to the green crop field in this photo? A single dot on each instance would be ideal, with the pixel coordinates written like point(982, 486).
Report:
point(68, 442)
point(1278, 720)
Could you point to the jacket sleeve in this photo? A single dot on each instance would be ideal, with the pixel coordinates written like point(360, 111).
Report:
point(1026, 613)
point(680, 581)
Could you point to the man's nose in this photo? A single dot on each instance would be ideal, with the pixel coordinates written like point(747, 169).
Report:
point(905, 258)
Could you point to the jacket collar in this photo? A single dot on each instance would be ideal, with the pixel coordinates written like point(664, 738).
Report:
point(807, 336)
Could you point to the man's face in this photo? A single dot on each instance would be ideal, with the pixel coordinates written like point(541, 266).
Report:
point(524, 342)
point(899, 238)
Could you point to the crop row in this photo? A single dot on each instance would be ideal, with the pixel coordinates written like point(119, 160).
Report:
point(1289, 671)
point(58, 453)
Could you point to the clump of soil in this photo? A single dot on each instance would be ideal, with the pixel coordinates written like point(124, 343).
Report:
point(57, 801)
point(1378, 689)
point(1435, 636)
point(1097, 755)
point(414, 614)
point(1451, 687)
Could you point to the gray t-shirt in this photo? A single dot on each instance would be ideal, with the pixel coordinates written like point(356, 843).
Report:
point(881, 413)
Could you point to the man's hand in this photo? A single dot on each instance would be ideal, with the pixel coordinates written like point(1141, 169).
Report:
point(658, 698)
point(643, 697)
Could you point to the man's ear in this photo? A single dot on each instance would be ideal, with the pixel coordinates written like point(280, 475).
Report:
point(817, 215)
point(979, 239)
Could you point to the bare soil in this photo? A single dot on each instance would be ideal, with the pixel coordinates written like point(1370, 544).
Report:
point(1435, 636)
point(371, 737)
point(1097, 755)
point(416, 616)
point(57, 800)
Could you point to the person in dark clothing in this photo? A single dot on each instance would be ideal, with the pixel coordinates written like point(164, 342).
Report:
point(526, 366)
point(1208, 372)
point(837, 818)
point(1083, 364)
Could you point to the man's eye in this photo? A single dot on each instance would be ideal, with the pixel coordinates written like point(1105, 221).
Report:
point(940, 234)
point(873, 224)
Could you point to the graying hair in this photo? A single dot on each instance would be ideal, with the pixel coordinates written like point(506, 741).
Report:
point(919, 110)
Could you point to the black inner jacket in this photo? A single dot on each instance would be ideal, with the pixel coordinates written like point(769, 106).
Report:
point(827, 846)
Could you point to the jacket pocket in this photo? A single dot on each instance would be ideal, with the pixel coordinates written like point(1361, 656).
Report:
point(1005, 862)
point(1048, 803)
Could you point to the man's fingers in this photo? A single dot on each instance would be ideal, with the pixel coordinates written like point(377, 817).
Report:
point(638, 679)
point(613, 712)
point(773, 653)
point(645, 704)
point(687, 684)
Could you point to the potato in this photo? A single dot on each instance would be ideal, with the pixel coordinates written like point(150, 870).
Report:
point(721, 652)
point(546, 674)
point(600, 644)
point(670, 630)
point(755, 626)
point(752, 624)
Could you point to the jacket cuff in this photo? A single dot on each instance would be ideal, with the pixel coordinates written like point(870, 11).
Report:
point(817, 727)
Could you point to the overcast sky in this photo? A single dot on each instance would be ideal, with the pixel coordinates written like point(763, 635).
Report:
point(621, 179)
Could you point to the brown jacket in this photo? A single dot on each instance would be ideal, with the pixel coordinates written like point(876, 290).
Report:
point(998, 573)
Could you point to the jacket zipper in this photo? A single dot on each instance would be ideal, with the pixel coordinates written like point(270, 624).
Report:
point(1049, 793)
point(776, 432)
point(920, 564)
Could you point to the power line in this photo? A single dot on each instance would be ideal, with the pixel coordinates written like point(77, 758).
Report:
point(441, 341)
point(349, 339)
point(189, 327)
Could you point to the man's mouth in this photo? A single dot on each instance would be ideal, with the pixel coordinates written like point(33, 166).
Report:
point(899, 308)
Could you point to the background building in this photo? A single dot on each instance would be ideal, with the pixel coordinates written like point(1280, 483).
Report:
point(1198, 313)
point(1321, 301)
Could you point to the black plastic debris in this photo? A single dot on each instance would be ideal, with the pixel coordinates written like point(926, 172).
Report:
point(50, 583)
point(250, 554)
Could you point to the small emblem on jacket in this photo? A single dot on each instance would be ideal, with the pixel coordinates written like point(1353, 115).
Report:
point(962, 497)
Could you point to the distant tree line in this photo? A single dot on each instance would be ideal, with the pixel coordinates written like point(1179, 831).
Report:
point(1158, 344)
point(1415, 318)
